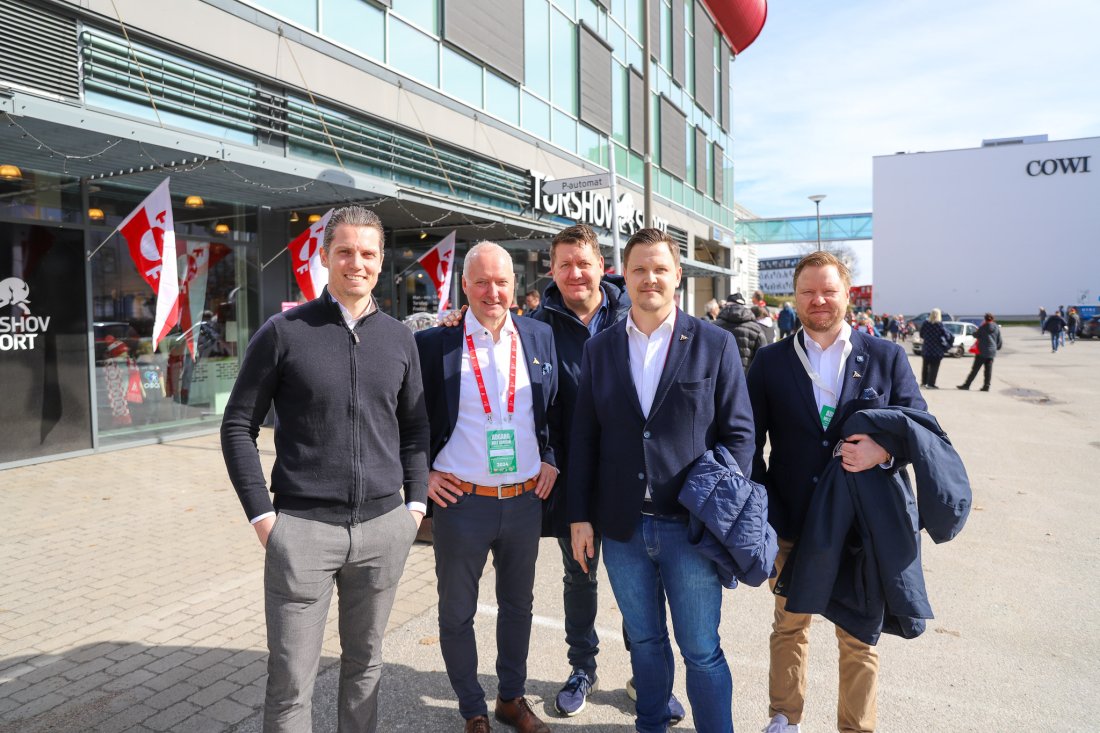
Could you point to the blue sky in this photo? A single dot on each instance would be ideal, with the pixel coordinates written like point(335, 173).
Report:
point(831, 83)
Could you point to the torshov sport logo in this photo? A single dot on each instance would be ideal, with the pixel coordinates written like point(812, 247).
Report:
point(20, 332)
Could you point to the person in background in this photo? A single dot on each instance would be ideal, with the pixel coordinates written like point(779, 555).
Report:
point(712, 309)
point(787, 321)
point(893, 327)
point(988, 340)
point(935, 343)
point(1055, 325)
point(531, 302)
point(766, 322)
point(736, 318)
point(1062, 334)
point(1073, 323)
point(1042, 319)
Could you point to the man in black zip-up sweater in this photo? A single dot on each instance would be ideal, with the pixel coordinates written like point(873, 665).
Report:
point(350, 474)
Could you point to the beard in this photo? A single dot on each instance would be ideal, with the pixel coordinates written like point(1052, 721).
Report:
point(821, 321)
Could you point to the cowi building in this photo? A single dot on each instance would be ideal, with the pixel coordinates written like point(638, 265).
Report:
point(443, 116)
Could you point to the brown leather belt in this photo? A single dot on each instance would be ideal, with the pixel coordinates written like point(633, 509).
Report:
point(507, 491)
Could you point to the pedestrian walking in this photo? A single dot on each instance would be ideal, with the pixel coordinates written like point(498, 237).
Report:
point(350, 476)
point(989, 342)
point(1073, 324)
point(1062, 334)
point(1056, 327)
point(737, 318)
point(766, 322)
point(935, 343)
point(1042, 319)
point(787, 321)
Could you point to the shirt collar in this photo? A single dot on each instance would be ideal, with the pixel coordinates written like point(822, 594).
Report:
point(473, 326)
point(668, 323)
point(347, 314)
point(843, 338)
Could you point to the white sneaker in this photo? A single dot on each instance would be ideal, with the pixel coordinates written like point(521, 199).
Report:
point(779, 724)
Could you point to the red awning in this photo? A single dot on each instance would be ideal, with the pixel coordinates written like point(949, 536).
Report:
point(739, 20)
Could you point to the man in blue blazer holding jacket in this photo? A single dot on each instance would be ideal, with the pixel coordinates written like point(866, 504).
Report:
point(657, 390)
point(803, 389)
point(489, 388)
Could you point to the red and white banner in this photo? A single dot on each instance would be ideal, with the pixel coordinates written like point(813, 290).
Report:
point(305, 254)
point(195, 268)
point(438, 263)
point(151, 235)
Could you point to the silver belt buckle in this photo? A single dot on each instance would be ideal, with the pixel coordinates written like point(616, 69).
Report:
point(499, 488)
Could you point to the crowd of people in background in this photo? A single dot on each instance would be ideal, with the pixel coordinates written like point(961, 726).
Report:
point(1062, 325)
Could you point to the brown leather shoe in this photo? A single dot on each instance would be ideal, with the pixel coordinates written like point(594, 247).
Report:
point(518, 714)
point(480, 724)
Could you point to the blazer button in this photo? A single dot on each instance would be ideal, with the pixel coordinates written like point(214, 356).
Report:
point(824, 444)
point(646, 435)
point(641, 476)
point(815, 479)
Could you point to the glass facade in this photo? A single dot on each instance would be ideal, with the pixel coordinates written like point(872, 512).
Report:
point(407, 38)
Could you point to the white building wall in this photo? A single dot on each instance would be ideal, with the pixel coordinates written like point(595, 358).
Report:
point(971, 231)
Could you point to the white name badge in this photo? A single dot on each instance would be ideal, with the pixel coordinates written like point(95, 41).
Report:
point(500, 444)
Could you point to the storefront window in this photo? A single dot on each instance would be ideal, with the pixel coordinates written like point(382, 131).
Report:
point(41, 196)
point(185, 379)
point(43, 342)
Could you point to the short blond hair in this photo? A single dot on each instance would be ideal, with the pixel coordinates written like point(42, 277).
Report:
point(822, 258)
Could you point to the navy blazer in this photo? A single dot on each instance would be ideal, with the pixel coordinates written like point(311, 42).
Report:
point(877, 374)
point(441, 352)
point(614, 451)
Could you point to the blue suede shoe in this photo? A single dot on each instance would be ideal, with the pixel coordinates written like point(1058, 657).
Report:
point(574, 696)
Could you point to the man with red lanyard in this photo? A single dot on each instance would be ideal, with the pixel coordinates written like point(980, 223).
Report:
point(489, 388)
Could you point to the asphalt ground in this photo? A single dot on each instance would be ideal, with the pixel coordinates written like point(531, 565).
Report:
point(131, 591)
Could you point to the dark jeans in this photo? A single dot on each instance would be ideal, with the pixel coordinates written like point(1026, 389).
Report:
point(1055, 340)
point(929, 369)
point(659, 554)
point(579, 600)
point(465, 533)
point(979, 362)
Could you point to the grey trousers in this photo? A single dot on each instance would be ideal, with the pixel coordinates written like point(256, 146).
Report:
point(305, 558)
point(465, 534)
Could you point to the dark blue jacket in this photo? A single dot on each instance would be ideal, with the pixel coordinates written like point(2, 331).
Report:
point(787, 319)
point(935, 340)
point(615, 451)
point(441, 352)
point(570, 336)
point(729, 519)
point(877, 374)
point(858, 560)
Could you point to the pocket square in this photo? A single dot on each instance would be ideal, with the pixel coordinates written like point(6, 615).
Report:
point(547, 368)
point(869, 394)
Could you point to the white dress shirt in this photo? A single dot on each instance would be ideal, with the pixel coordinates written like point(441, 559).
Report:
point(466, 453)
point(829, 364)
point(647, 357)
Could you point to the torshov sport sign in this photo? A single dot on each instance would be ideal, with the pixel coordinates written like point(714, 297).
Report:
point(20, 332)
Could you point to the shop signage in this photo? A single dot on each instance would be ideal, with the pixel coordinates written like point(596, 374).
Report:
point(1051, 166)
point(777, 274)
point(18, 333)
point(590, 207)
point(581, 183)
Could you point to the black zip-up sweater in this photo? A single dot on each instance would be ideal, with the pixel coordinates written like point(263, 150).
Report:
point(350, 424)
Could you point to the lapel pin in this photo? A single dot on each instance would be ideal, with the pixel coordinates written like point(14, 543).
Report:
point(683, 337)
point(856, 375)
point(536, 360)
point(547, 368)
point(859, 358)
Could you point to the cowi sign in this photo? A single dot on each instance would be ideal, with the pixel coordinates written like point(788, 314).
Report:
point(587, 204)
point(19, 332)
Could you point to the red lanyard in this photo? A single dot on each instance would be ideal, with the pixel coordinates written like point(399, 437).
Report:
point(481, 382)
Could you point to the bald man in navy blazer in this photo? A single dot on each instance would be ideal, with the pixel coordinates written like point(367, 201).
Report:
point(802, 390)
point(657, 391)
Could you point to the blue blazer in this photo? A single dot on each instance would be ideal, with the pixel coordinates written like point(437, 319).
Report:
point(441, 352)
point(614, 451)
point(877, 374)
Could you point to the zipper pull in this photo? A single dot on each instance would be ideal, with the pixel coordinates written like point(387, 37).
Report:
point(355, 336)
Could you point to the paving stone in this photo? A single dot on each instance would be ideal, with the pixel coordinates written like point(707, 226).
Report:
point(171, 695)
point(169, 718)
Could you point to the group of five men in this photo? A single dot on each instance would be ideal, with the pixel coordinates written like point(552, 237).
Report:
point(580, 423)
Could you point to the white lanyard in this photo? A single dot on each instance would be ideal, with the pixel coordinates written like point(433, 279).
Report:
point(833, 389)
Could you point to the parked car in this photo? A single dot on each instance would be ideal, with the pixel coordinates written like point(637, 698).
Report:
point(963, 334)
point(917, 321)
point(1089, 329)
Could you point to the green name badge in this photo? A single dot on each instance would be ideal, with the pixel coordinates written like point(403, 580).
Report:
point(827, 413)
point(501, 445)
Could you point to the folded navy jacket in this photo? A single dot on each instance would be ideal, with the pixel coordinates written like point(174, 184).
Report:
point(728, 520)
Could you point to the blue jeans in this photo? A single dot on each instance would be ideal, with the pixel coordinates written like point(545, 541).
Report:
point(1054, 338)
point(659, 554)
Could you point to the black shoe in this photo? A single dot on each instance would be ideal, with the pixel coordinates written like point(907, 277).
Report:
point(985, 388)
point(932, 386)
point(963, 386)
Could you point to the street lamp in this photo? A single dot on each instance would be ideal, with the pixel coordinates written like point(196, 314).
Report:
point(816, 198)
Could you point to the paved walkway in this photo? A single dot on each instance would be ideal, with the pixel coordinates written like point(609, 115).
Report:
point(131, 590)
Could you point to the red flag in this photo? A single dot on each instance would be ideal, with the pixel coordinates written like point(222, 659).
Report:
point(195, 267)
point(437, 262)
point(151, 235)
point(305, 255)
